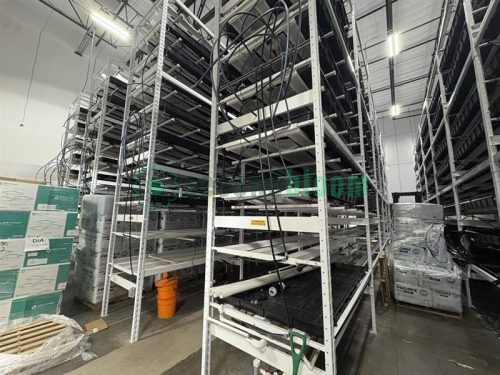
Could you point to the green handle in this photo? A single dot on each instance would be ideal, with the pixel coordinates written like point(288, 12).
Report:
point(297, 356)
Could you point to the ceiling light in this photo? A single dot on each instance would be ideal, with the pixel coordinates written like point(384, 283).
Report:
point(395, 110)
point(393, 47)
point(110, 25)
point(121, 77)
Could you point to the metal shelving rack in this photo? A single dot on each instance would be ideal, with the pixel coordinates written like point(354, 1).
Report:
point(163, 155)
point(326, 121)
point(456, 155)
point(74, 131)
point(104, 128)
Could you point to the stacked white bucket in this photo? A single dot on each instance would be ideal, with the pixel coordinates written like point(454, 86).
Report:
point(421, 276)
point(91, 256)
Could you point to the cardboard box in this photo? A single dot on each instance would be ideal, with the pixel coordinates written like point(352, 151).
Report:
point(405, 272)
point(89, 276)
point(57, 198)
point(8, 281)
point(11, 254)
point(13, 224)
point(413, 294)
point(5, 305)
point(22, 196)
point(52, 224)
point(93, 294)
point(97, 205)
point(440, 279)
point(59, 252)
point(42, 279)
point(25, 307)
point(17, 196)
point(101, 225)
point(95, 326)
point(418, 210)
point(447, 301)
point(413, 227)
point(96, 241)
point(409, 253)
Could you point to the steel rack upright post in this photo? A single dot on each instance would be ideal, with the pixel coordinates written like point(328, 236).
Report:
point(105, 123)
point(162, 160)
point(324, 120)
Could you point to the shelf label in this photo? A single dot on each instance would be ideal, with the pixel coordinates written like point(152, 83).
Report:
point(259, 223)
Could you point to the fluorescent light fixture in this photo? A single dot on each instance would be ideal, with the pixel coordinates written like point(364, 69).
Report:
point(121, 77)
point(395, 110)
point(393, 47)
point(110, 25)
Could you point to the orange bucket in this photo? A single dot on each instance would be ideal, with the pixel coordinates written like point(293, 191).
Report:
point(166, 297)
point(166, 307)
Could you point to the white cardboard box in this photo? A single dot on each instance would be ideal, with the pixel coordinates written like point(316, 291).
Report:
point(17, 196)
point(405, 272)
point(42, 279)
point(413, 294)
point(93, 294)
point(409, 253)
point(447, 301)
point(418, 210)
point(441, 279)
point(90, 276)
point(52, 224)
point(11, 254)
point(5, 305)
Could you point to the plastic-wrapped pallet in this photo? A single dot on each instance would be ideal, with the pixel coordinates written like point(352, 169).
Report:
point(37, 229)
point(424, 273)
point(91, 256)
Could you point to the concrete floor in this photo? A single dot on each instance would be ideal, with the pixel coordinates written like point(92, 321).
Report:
point(408, 342)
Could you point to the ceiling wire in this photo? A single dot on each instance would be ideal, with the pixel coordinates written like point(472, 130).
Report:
point(33, 67)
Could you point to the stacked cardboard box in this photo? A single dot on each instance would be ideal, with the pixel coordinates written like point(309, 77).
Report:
point(424, 273)
point(91, 255)
point(37, 226)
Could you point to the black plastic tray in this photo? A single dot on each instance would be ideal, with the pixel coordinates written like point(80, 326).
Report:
point(303, 296)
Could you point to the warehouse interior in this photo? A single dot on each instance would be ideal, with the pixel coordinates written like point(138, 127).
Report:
point(249, 187)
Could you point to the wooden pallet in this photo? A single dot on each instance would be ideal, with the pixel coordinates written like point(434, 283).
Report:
point(430, 310)
point(385, 280)
point(28, 337)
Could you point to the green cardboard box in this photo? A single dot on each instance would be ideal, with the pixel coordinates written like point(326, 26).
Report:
point(8, 282)
point(22, 196)
point(59, 252)
point(13, 224)
point(52, 224)
point(41, 279)
point(57, 198)
point(25, 307)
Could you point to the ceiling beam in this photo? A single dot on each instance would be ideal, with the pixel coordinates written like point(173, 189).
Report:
point(404, 50)
point(73, 20)
point(373, 11)
point(388, 16)
point(401, 83)
point(405, 31)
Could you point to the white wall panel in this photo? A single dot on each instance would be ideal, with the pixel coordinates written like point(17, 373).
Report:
point(58, 77)
point(399, 143)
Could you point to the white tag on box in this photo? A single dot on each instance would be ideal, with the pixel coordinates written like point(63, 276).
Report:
point(37, 243)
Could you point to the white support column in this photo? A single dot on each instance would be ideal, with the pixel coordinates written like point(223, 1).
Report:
point(324, 242)
point(449, 142)
point(483, 94)
point(209, 262)
point(365, 183)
